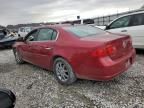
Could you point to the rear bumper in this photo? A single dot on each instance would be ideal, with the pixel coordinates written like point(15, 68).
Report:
point(106, 69)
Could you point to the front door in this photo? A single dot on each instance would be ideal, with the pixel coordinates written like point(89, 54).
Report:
point(120, 25)
point(43, 47)
point(26, 48)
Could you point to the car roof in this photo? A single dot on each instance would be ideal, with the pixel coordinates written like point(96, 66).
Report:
point(133, 13)
point(57, 26)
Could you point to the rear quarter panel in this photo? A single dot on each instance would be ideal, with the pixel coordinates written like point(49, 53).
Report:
point(74, 50)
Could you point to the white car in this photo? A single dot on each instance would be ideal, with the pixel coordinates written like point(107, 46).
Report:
point(23, 31)
point(131, 24)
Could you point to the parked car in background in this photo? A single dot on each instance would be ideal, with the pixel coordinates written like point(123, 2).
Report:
point(131, 24)
point(2, 33)
point(6, 39)
point(23, 31)
point(76, 51)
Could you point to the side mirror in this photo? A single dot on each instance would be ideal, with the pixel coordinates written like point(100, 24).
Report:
point(7, 99)
point(20, 39)
point(31, 38)
point(107, 27)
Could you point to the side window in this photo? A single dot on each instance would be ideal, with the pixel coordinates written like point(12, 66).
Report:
point(122, 22)
point(46, 34)
point(137, 20)
point(32, 36)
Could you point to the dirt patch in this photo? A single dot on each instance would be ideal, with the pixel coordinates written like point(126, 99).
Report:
point(5, 68)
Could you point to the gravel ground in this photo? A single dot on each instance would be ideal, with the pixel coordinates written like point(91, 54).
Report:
point(37, 88)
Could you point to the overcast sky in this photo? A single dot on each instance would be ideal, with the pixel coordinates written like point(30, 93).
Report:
point(27, 11)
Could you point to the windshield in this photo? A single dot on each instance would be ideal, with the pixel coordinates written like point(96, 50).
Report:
point(84, 30)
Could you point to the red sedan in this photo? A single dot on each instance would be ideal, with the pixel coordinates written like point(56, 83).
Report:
point(76, 51)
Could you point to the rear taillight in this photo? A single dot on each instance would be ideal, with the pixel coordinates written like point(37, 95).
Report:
point(106, 51)
point(110, 50)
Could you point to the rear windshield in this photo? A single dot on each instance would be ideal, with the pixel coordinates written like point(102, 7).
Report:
point(84, 31)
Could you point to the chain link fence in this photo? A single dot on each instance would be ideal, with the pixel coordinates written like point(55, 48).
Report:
point(104, 20)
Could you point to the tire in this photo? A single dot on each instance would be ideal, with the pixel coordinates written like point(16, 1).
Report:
point(18, 57)
point(63, 72)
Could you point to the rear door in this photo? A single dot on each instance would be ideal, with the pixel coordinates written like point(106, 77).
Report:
point(137, 30)
point(43, 47)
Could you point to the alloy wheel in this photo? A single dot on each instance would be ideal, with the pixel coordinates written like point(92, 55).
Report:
point(62, 71)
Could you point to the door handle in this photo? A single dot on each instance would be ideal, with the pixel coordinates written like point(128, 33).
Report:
point(124, 31)
point(48, 48)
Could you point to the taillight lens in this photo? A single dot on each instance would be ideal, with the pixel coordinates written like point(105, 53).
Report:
point(110, 50)
point(107, 51)
point(99, 53)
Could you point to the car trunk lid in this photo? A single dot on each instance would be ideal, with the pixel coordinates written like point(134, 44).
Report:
point(121, 43)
